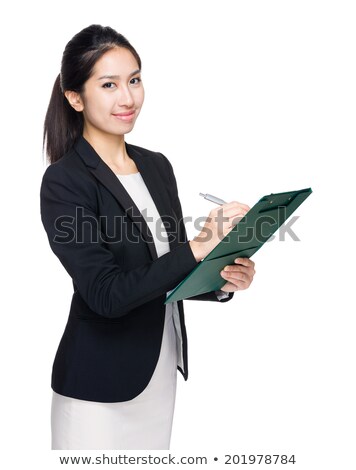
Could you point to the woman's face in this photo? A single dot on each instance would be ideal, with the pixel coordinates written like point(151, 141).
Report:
point(113, 95)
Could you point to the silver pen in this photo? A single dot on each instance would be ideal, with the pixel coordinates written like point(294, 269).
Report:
point(211, 198)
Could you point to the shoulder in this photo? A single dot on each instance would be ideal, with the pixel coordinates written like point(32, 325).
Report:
point(144, 151)
point(69, 176)
point(155, 158)
point(70, 169)
point(66, 166)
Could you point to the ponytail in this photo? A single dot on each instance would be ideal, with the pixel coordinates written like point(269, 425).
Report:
point(62, 126)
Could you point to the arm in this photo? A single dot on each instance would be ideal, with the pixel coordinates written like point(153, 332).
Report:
point(219, 296)
point(106, 288)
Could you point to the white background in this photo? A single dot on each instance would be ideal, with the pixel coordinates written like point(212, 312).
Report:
point(245, 99)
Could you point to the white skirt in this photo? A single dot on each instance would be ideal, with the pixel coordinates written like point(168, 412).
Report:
point(144, 422)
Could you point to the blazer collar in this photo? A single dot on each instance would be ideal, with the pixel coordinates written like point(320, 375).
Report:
point(152, 179)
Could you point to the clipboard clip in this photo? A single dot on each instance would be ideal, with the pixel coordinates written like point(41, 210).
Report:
point(274, 201)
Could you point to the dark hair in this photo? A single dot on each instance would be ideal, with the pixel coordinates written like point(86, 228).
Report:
point(63, 125)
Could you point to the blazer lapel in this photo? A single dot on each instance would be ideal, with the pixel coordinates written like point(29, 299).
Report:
point(107, 177)
point(158, 191)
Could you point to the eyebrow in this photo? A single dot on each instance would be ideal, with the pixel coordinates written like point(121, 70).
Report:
point(118, 76)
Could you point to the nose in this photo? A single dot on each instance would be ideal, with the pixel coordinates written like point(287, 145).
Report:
point(125, 98)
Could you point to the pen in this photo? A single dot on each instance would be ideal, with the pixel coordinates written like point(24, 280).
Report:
point(211, 198)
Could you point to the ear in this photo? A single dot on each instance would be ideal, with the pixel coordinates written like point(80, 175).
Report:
point(74, 100)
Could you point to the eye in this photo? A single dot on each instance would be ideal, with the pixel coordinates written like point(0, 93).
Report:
point(108, 83)
point(135, 83)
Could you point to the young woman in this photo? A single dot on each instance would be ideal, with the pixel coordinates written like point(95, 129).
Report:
point(105, 205)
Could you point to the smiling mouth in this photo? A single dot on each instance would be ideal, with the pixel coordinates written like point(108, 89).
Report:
point(125, 116)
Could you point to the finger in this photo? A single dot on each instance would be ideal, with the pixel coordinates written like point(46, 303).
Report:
point(235, 204)
point(240, 283)
point(236, 217)
point(236, 276)
point(239, 267)
point(229, 287)
point(233, 284)
point(228, 218)
point(245, 262)
point(231, 210)
point(241, 277)
point(236, 211)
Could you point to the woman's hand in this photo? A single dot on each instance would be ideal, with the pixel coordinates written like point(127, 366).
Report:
point(220, 222)
point(239, 275)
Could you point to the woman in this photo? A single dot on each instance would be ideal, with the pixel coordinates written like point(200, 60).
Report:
point(104, 204)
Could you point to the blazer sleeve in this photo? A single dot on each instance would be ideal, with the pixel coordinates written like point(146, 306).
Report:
point(106, 288)
point(219, 296)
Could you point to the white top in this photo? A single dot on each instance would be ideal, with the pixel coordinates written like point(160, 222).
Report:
point(137, 189)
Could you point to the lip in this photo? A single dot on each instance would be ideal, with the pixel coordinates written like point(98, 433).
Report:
point(128, 116)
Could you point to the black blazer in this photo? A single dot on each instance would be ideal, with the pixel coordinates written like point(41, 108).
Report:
point(112, 339)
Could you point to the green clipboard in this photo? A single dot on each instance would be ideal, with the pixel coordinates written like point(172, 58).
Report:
point(248, 236)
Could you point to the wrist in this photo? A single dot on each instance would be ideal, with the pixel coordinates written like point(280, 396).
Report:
point(197, 250)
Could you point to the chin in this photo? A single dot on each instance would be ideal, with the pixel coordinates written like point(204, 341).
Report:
point(121, 130)
point(128, 131)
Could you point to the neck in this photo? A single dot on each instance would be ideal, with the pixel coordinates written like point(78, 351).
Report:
point(111, 148)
